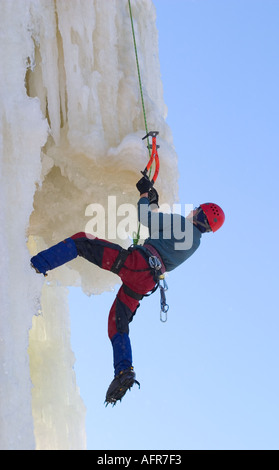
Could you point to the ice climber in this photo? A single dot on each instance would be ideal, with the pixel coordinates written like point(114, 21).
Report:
point(165, 249)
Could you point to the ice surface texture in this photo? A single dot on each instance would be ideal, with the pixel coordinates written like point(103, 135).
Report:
point(71, 128)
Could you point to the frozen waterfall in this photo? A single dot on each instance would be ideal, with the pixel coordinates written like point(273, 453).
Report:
point(71, 135)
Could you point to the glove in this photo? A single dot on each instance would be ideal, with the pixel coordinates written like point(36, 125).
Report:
point(144, 185)
point(153, 197)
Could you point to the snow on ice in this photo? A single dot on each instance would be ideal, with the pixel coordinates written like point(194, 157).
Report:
point(71, 129)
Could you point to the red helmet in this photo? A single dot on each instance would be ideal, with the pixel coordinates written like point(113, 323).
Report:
point(214, 214)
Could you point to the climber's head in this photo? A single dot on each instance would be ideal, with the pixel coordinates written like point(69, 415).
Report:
point(208, 217)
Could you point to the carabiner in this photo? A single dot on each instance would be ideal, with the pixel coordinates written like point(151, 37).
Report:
point(163, 314)
point(154, 263)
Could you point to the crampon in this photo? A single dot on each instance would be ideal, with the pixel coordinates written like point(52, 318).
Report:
point(119, 386)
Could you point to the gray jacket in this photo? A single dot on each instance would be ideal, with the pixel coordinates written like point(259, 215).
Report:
point(172, 235)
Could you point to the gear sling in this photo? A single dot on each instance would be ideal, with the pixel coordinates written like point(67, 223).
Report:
point(133, 268)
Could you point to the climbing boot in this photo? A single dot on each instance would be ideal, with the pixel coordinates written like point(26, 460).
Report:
point(119, 386)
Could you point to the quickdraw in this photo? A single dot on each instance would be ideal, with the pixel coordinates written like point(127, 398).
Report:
point(156, 266)
point(164, 305)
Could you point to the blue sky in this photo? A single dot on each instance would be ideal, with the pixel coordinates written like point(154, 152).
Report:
point(209, 376)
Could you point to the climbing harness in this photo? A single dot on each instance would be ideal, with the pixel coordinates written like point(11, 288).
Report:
point(157, 270)
point(120, 260)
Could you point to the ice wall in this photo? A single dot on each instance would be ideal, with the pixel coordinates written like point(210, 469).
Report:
point(71, 129)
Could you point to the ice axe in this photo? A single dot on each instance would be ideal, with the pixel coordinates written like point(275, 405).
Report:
point(153, 156)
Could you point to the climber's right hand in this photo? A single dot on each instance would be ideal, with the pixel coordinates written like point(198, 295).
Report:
point(153, 196)
point(144, 185)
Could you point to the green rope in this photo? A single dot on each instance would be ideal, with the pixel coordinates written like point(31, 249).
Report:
point(139, 76)
point(136, 236)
